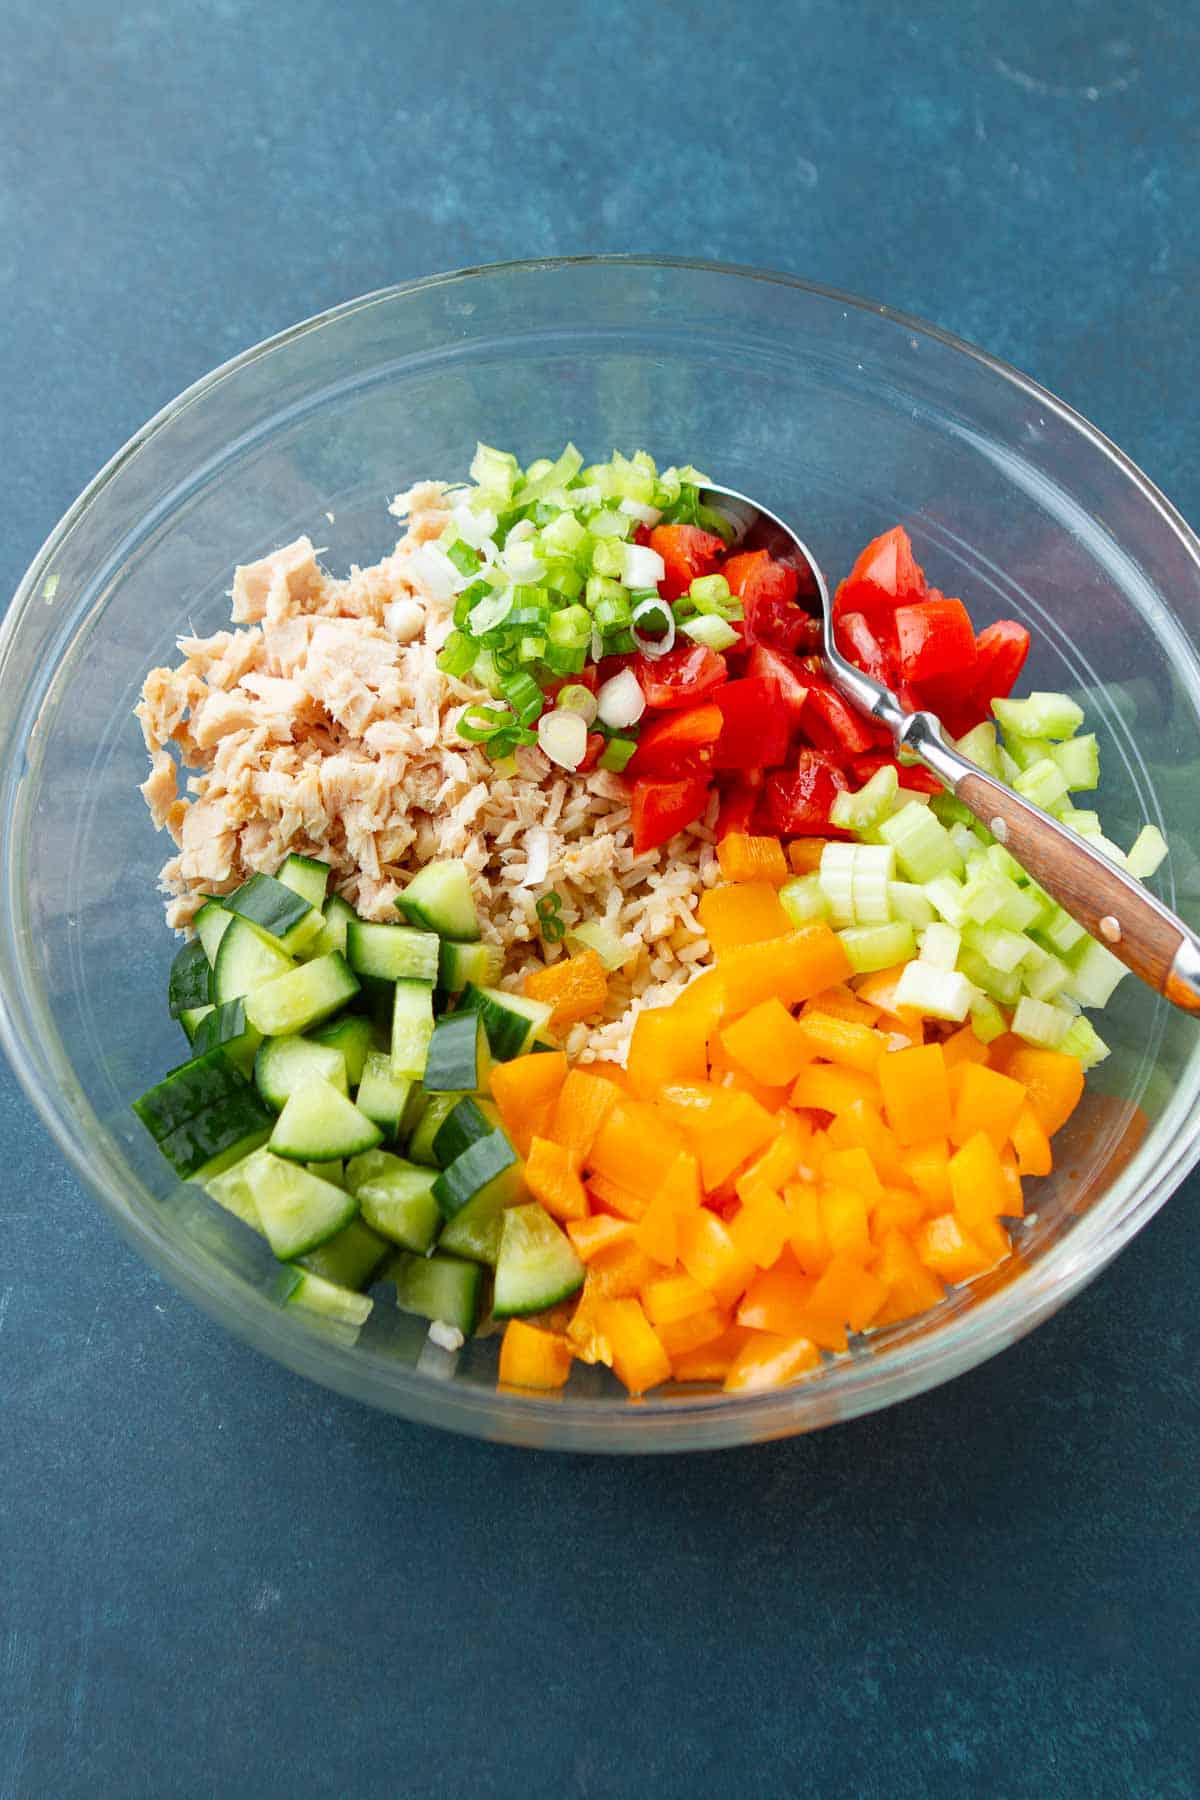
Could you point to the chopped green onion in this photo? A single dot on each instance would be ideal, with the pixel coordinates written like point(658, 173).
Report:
point(465, 560)
point(480, 723)
point(578, 699)
point(616, 754)
point(713, 632)
point(457, 655)
point(608, 560)
point(570, 628)
point(524, 696)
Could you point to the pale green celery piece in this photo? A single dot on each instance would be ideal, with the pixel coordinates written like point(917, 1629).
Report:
point(836, 878)
point(979, 746)
point(1041, 1024)
point(1095, 973)
point(937, 993)
point(1146, 852)
point(1039, 715)
point(1106, 847)
point(803, 899)
point(1004, 862)
point(909, 902)
point(988, 1021)
point(1084, 1041)
point(940, 945)
point(945, 895)
point(924, 848)
point(1022, 908)
point(1005, 988)
point(1003, 949)
point(949, 810)
point(983, 895)
point(874, 869)
point(873, 802)
point(1047, 978)
point(1081, 820)
point(872, 947)
point(594, 934)
point(1009, 770)
point(1079, 761)
point(1060, 931)
point(967, 839)
point(1043, 783)
point(1025, 752)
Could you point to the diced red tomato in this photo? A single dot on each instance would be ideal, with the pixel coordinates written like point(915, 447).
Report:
point(799, 799)
point(886, 575)
point(596, 741)
point(1000, 652)
point(755, 732)
point(769, 592)
point(687, 552)
point(679, 743)
point(681, 677)
point(859, 642)
point(912, 776)
point(659, 809)
point(830, 722)
point(935, 637)
point(789, 674)
point(739, 802)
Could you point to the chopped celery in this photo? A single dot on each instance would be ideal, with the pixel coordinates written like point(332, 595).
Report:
point(1115, 854)
point(594, 934)
point(872, 947)
point(1004, 862)
point(803, 899)
point(1146, 852)
point(1095, 973)
point(983, 895)
point(1081, 820)
point(1079, 761)
point(873, 802)
point(1040, 1024)
point(937, 993)
point(1060, 931)
point(949, 810)
point(999, 984)
point(968, 838)
point(1084, 1041)
point(1043, 783)
point(874, 867)
point(1024, 752)
point(1043, 974)
point(940, 945)
point(1022, 908)
point(909, 902)
point(1004, 949)
point(979, 747)
point(987, 1020)
point(1009, 770)
point(945, 895)
point(836, 877)
point(924, 848)
point(1040, 715)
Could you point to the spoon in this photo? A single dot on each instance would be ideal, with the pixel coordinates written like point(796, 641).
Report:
point(1143, 933)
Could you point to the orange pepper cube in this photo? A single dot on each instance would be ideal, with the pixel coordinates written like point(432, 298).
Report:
point(574, 987)
point(582, 1106)
point(679, 1337)
point(670, 1298)
point(846, 1221)
point(977, 1183)
point(1034, 1155)
point(964, 1046)
point(986, 1101)
point(638, 1358)
point(746, 858)
point(761, 1227)
point(860, 1126)
point(770, 1361)
point(634, 1146)
point(804, 854)
point(793, 968)
point(807, 1236)
point(767, 1042)
point(711, 1360)
point(599, 1232)
point(911, 1287)
point(533, 1359)
point(852, 1169)
point(775, 1300)
point(525, 1091)
point(552, 1176)
point(944, 1246)
point(745, 1130)
point(657, 1231)
point(712, 1258)
point(916, 1093)
point(1054, 1082)
point(741, 913)
point(841, 1040)
point(622, 1271)
point(927, 1166)
point(664, 1047)
point(846, 1294)
point(826, 1088)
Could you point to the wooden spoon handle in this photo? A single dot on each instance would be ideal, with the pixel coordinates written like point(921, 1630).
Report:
point(1146, 936)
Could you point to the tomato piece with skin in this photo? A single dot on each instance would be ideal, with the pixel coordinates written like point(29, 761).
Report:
point(660, 808)
point(830, 722)
point(684, 675)
point(687, 553)
point(788, 673)
point(755, 729)
point(934, 638)
point(885, 576)
point(771, 606)
point(740, 800)
point(1000, 653)
point(798, 800)
point(863, 646)
point(596, 742)
point(678, 743)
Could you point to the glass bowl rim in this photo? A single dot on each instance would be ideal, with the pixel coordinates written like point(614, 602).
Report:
point(842, 1391)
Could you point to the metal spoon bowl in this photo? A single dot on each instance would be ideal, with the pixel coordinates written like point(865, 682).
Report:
point(1143, 933)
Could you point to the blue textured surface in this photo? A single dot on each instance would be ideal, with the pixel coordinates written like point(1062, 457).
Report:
point(215, 1580)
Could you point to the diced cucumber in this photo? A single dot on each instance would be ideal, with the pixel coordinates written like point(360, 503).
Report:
point(435, 1110)
point(284, 1064)
point(351, 1257)
point(462, 965)
point(469, 1119)
point(354, 1036)
point(318, 1123)
point(439, 897)
point(396, 1198)
point(298, 1210)
point(475, 1231)
point(246, 959)
point(382, 1094)
point(510, 1020)
point(227, 1026)
point(277, 910)
point(328, 1299)
point(488, 1166)
point(190, 1089)
point(1039, 715)
point(459, 1060)
point(412, 1027)
point(306, 877)
point(439, 1287)
point(338, 915)
point(302, 997)
point(210, 925)
point(537, 1265)
point(188, 985)
point(334, 1170)
point(221, 1135)
point(234, 1189)
point(391, 952)
point(191, 1017)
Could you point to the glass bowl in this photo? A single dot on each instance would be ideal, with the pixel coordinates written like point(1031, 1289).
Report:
point(840, 415)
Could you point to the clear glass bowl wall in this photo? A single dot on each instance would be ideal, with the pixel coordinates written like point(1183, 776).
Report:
point(837, 414)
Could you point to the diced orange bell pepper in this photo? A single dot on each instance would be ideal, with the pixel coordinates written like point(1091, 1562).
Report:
point(745, 858)
point(664, 1047)
point(1014, 1196)
point(735, 1080)
point(744, 1132)
point(712, 1360)
point(634, 1147)
point(609, 1071)
point(927, 1166)
point(710, 1256)
point(825, 1088)
point(879, 990)
point(964, 1046)
point(793, 968)
point(944, 1246)
point(584, 1332)
point(845, 1216)
point(911, 1287)
point(611, 1197)
point(581, 1108)
point(669, 1298)
point(841, 1002)
point(807, 1236)
point(916, 1094)
point(1054, 1082)
point(781, 1157)
point(621, 1270)
point(576, 987)
point(678, 1337)
point(985, 1101)
point(852, 1169)
point(804, 854)
point(846, 1294)
point(1034, 1155)
point(902, 1031)
point(638, 1358)
point(769, 1361)
point(768, 1043)
point(980, 1194)
point(533, 1359)
point(897, 1209)
point(761, 1227)
point(525, 1091)
point(703, 1002)
point(842, 1041)
point(742, 913)
point(657, 1231)
point(599, 1232)
point(860, 1126)
point(776, 1298)
point(552, 1176)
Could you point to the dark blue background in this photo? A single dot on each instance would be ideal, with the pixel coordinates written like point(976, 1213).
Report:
point(215, 1580)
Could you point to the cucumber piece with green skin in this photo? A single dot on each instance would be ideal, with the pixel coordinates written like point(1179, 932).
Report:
point(297, 1211)
point(338, 915)
point(301, 997)
point(510, 1020)
point(391, 952)
point(351, 1258)
point(412, 1027)
point(188, 983)
point(396, 1198)
point(212, 1140)
point(191, 1019)
point(439, 897)
point(354, 1036)
point(488, 1166)
point(334, 1170)
point(439, 1287)
point(318, 1123)
point(233, 1188)
point(459, 1060)
point(284, 1064)
point(306, 877)
point(192, 1088)
point(246, 959)
point(537, 1265)
point(382, 1094)
point(277, 910)
point(468, 965)
point(470, 1119)
point(226, 1026)
point(474, 1231)
point(435, 1110)
point(210, 925)
point(313, 1293)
